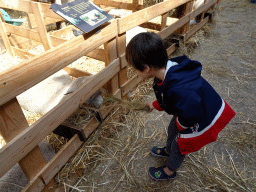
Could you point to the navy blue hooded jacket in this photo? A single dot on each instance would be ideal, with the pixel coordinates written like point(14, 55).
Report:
point(187, 95)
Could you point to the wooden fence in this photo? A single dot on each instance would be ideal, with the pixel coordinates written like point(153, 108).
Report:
point(22, 140)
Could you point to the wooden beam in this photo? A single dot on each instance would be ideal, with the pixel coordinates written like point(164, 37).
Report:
point(76, 72)
point(24, 6)
point(123, 61)
point(129, 85)
point(56, 41)
point(202, 8)
point(62, 31)
point(119, 5)
point(54, 165)
point(48, 12)
point(32, 34)
point(150, 25)
point(187, 8)
point(98, 54)
point(146, 14)
point(21, 77)
point(41, 26)
point(172, 28)
point(121, 44)
point(196, 28)
point(5, 38)
point(32, 163)
point(171, 49)
point(13, 122)
point(23, 143)
point(22, 53)
point(94, 123)
point(47, 20)
point(22, 42)
point(110, 49)
point(163, 20)
point(23, 32)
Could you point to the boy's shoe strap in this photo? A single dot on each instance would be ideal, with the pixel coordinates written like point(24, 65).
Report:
point(158, 174)
point(159, 152)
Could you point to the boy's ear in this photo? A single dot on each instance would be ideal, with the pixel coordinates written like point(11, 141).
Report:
point(147, 68)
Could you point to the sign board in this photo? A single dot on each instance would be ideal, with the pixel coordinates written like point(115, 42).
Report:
point(84, 14)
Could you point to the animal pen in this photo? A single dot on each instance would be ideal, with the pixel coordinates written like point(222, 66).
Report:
point(106, 44)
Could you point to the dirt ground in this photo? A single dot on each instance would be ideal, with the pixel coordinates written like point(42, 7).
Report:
point(119, 158)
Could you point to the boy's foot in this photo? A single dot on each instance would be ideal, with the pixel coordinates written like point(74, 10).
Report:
point(159, 152)
point(158, 174)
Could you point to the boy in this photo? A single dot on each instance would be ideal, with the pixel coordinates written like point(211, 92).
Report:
point(199, 113)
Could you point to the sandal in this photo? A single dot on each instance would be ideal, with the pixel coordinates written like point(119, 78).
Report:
point(159, 152)
point(158, 174)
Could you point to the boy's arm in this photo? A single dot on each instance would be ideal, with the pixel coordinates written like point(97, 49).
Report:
point(156, 105)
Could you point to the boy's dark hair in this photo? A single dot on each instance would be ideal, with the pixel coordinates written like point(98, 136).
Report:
point(146, 49)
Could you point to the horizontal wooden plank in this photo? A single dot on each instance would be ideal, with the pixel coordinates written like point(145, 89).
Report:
point(119, 5)
point(171, 49)
point(59, 160)
point(179, 23)
point(49, 20)
point(196, 28)
point(47, 12)
point(23, 143)
point(24, 6)
point(31, 34)
point(202, 8)
point(98, 54)
point(129, 85)
point(176, 25)
point(22, 42)
point(94, 123)
point(21, 77)
point(56, 40)
point(55, 164)
point(146, 14)
point(23, 54)
point(76, 72)
point(149, 25)
point(23, 32)
point(63, 31)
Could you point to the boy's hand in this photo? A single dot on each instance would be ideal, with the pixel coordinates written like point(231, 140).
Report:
point(150, 107)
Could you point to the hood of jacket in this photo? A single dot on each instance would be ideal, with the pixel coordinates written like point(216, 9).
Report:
point(186, 71)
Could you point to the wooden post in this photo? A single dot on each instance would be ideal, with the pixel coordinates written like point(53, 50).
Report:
point(3, 33)
point(163, 21)
point(184, 10)
point(135, 5)
point(40, 25)
point(111, 54)
point(13, 122)
point(31, 21)
point(202, 16)
point(121, 46)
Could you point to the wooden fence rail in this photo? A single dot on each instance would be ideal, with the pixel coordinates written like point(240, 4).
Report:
point(22, 140)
